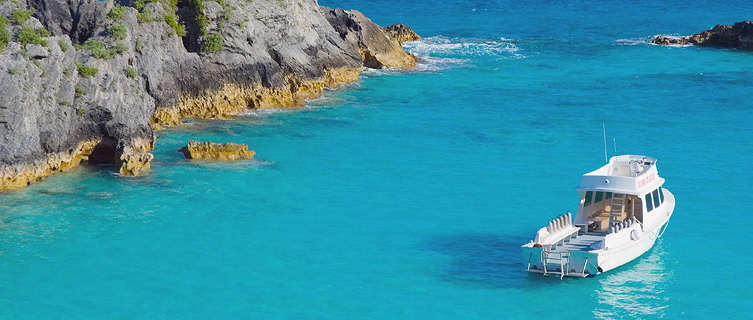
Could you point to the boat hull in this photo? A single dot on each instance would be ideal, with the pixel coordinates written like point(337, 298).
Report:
point(612, 258)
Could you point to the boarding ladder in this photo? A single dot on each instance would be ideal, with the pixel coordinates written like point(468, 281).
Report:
point(616, 207)
point(556, 261)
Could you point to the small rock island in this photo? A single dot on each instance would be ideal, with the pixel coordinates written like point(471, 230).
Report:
point(738, 36)
point(91, 80)
point(217, 151)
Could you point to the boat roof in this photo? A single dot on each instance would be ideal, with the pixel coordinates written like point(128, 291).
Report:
point(630, 174)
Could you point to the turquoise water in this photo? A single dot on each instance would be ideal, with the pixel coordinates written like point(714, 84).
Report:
point(407, 195)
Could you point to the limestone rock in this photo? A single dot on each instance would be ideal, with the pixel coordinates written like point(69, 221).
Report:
point(36, 51)
point(670, 40)
point(217, 151)
point(401, 33)
point(376, 48)
point(739, 35)
point(133, 158)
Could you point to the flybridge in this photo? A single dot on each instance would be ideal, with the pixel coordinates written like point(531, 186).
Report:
point(629, 174)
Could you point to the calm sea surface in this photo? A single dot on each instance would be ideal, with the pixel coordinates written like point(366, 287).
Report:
point(407, 195)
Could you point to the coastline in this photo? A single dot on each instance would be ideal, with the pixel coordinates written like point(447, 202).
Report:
point(115, 115)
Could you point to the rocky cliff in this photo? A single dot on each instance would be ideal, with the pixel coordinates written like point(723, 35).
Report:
point(739, 36)
point(90, 80)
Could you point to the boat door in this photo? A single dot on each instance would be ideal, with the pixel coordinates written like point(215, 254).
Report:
point(637, 207)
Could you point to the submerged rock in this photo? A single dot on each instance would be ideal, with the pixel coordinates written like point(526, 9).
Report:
point(98, 78)
point(739, 36)
point(217, 151)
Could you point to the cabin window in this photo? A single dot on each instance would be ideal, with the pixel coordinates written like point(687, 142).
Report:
point(649, 204)
point(599, 196)
point(656, 198)
point(588, 198)
point(609, 195)
point(661, 194)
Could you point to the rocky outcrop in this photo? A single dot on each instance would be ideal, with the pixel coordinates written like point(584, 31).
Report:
point(83, 71)
point(234, 99)
point(401, 33)
point(377, 49)
point(217, 151)
point(23, 174)
point(739, 36)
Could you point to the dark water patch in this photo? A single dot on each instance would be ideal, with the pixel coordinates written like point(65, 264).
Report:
point(480, 137)
point(487, 260)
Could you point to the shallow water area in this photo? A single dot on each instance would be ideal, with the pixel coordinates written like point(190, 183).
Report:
point(408, 194)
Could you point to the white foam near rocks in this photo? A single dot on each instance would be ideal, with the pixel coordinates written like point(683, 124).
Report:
point(462, 46)
point(640, 41)
point(439, 52)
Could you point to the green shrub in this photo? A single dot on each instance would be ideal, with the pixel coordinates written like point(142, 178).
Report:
point(118, 31)
point(67, 72)
point(227, 11)
point(4, 37)
point(64, 103)
point(138, 46)
point(63, 46)
point(144, 17)
point(20, 16)
point(80, 111)
point(121, 47)
point(178, 27)
point(13, 70)
point(98, 49)
point(201, 19)
point(80, 92)
point(131, 73)
point(213, 43)
point(4, 21)
point(86, 71)
point(28, 35)
point(141, 4)
point(117, 12)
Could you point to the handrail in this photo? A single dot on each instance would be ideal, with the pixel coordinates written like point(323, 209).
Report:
point(666, 225)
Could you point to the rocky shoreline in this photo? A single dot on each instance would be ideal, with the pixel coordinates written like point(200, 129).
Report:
point(738, 36)
point(92, 81)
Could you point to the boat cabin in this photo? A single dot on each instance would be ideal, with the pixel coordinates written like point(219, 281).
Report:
point(625, 188)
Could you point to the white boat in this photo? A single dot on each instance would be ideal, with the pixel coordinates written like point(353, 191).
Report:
point(623, 210)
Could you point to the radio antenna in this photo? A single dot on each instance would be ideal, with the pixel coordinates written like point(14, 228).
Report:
point(614, 143)
point(604, 134)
